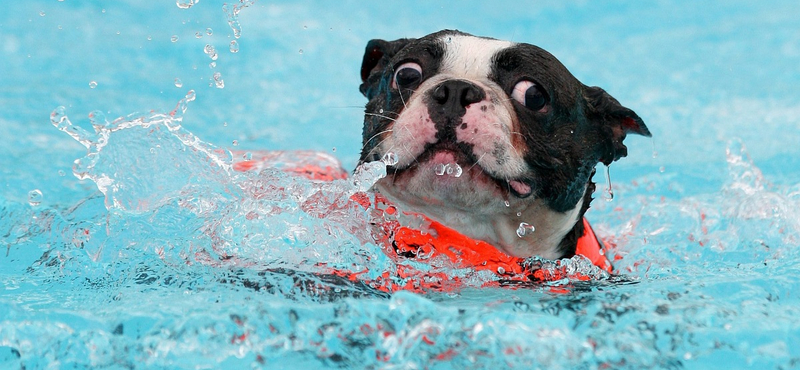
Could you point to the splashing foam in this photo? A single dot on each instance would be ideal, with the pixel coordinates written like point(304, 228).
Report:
point(172, 194)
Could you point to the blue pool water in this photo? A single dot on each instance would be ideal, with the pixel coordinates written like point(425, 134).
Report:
point(181, 263)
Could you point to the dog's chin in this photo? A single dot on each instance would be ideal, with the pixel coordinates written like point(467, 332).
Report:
point(449, 178)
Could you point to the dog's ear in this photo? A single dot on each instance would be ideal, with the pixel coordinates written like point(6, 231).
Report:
point(376, 57)
point(615, 123)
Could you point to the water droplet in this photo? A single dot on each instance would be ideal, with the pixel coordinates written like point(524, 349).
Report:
point(60, 27)
point(301, 51)
point(390, 159)
point(209, 31)
point(519, 214)
point(507, 204)
point(439, 169)
point(247, 156)
point(457, 170)
point(501, 270)
point(41, 14)
point(210, 51)
point(149, 38)
point(178, 82)
point(380, 111)
point(212, 65)
point(174, 38)
point(448, 169)
point(661, 169)
point(655, 153)
point(224, 124)
point(218, 82)
point(35, 197)
point(186, 4)
point(198, 35)
point(92, 84)
point(235, 143)
point(525, 229)
point(234, 46)
point(609, 193)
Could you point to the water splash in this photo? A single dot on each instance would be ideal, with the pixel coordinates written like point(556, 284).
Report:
point(367, 174)
point(232, 13)
point(159, 176)
point(186, 4)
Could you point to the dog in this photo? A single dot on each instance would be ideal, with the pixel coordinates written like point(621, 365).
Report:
point(484, 135)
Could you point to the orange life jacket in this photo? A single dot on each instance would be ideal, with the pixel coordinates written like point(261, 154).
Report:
point(436, 243)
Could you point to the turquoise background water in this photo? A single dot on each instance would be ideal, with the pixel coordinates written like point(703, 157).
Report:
point(704, 219)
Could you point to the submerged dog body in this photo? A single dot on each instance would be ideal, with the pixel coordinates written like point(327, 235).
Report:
point(484, 135)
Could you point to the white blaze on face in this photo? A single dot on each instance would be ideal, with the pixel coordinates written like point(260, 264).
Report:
point(470, 57)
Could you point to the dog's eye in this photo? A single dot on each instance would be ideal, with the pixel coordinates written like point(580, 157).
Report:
point(407, 75)
point(530, 95)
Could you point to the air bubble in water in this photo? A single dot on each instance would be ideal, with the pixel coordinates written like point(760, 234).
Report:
point(210, 51)
point(178, 82)
point(301, 51)
point(92, 84)
point(235, 143)
point(609, 193)
point(507, 204)
point(209, 31)
point(234, 46)
point(41, 14)
point(198, 35)
point(390, 159)
point(174, 38)
point(149, 38)
point(218, 82)
point(439, 169)
point(35, 197)
point(501, 270)
point(525, 229)
point(61, 173)
point(186, 4)
point(212, 65)
point(247, 156)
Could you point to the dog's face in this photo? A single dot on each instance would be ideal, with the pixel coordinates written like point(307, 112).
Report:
point(483, 135)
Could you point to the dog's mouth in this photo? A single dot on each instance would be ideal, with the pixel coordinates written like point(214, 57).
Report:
point(456, 162)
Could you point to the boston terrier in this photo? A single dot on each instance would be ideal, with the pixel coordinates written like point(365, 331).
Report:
point(484, 135)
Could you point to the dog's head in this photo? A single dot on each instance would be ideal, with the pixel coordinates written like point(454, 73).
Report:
point(483, 134)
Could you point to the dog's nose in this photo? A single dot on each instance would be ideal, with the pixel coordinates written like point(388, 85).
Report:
point(453, 96)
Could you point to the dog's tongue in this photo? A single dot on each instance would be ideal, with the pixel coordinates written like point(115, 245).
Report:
point(521, 188)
